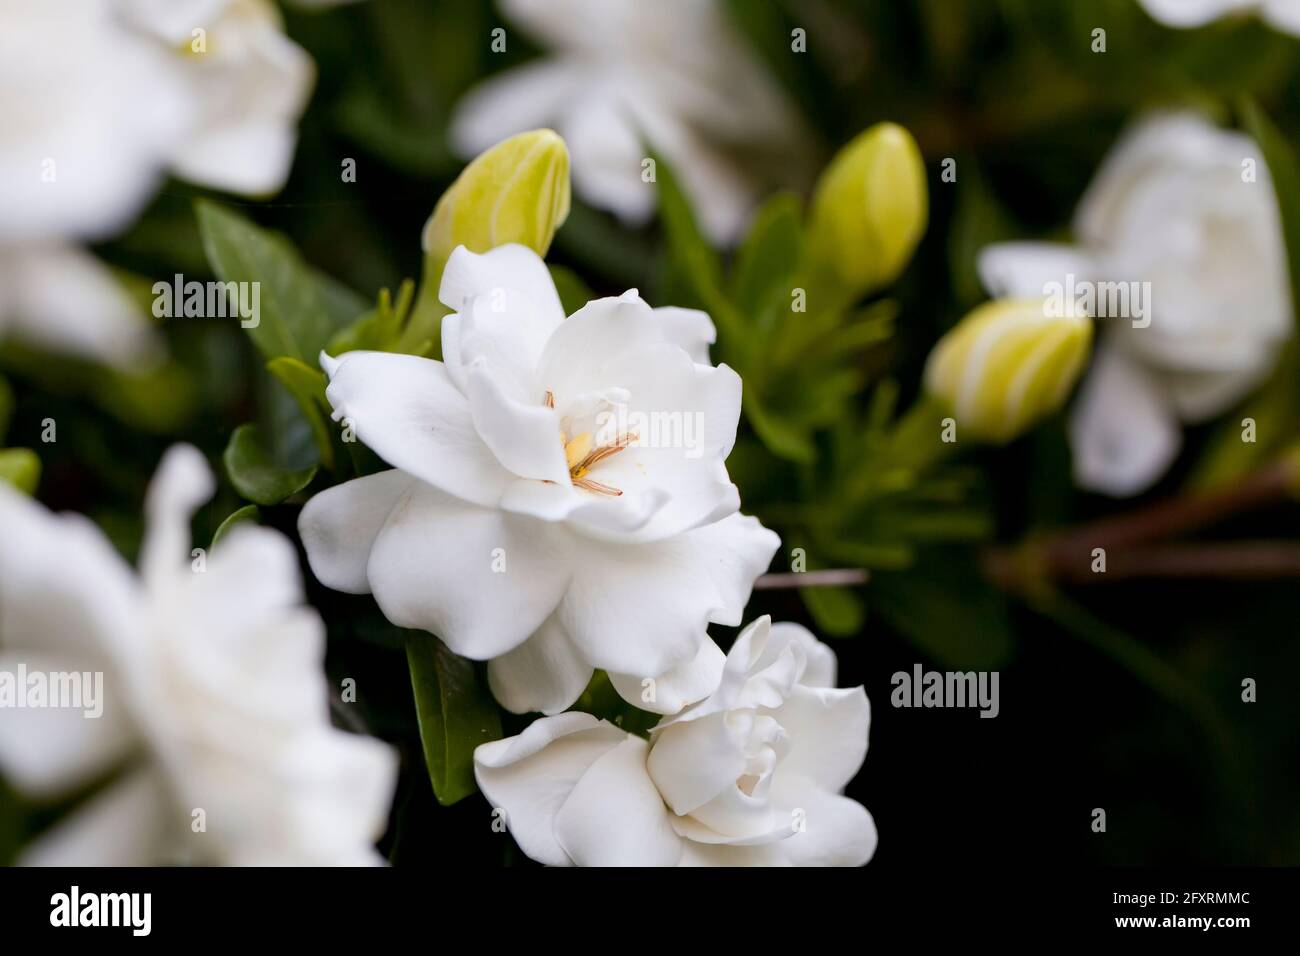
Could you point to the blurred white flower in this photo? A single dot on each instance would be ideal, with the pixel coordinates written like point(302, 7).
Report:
point(98, 100)
point(214, 699)
point(244, 83)
point(626, 77)
point(1281, 14)
point(1174, 205)
point(559, 500)
point(751, 776)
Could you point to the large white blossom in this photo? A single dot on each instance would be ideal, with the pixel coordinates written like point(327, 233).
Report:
point(624, 77)
point(1280, 14)
point(750, 776)
point(99, 99)
point(213, 695)
point(558, 500)
point(1175, 205)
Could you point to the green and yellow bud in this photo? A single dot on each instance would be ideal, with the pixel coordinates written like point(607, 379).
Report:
point(1008, 364)
point(869, 209)
point(517, 191)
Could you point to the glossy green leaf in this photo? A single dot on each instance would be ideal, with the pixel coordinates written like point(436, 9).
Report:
point(254, 473)
point(300, 309)
point(307, 386)
point(455, 713)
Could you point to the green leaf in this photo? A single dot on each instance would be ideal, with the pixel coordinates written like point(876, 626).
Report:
point(1285, 172)
point(244, 514)
point(838, 612)
point(21, 468)
point(255, 474)
point(768, 256)
point(779, 437)
point(307, 386)
point(455, 715)
point(299, 309)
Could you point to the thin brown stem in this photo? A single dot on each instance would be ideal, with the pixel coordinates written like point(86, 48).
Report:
point(834, 578)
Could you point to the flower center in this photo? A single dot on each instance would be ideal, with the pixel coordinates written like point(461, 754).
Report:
point(582, 454)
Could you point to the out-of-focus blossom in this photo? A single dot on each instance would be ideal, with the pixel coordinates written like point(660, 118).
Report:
point(213, 742)
point(99, 99)
point(1280, 14)
point(558, 501)
point(869, 209)
point(1181, 218)
point(750, 776)
point(244, 84)
point(625, 77)
point(1007, 365)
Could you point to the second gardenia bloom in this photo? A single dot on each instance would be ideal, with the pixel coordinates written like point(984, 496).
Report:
point(558, 500)
point(750, 776)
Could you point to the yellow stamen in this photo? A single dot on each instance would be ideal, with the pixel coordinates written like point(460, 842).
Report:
point(576, 452)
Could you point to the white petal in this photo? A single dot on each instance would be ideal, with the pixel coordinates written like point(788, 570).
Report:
point(615, 817)
point(339, 526)
point(638, 610)
point(531, 775)
point(46, 751)
point(689, 329)
point(684, 416)
point(734, 552)
point(1283, 15)
point(481, 579)
point(408, 411)
point(526, 438)
point(1192, 13)
point(821, 666)
point(246, 95)
point(545, 673)
point(692, 762)
point(128, 824)
point(684, 684)
point(512, 102)
point(181, 484)
point(469, 275)
point(836, 831)
point(1123, 431)
point(828, 730)
point(607, 152)
point(63, 589)
point(1023, 269)
point(62, 299)
point(1199, 396)
point(576, 359)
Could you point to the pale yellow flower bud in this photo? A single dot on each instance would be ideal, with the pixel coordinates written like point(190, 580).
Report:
point(517, 191)
point(869, 209)
point(1008, 364)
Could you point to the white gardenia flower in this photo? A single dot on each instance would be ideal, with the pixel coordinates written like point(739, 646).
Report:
point(99, 99)
point(212, 696)
point(1173, 205)
point(1280, 14)
point(558, 501)
point(750, 776)
point(245, 84)
point(625, 77)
